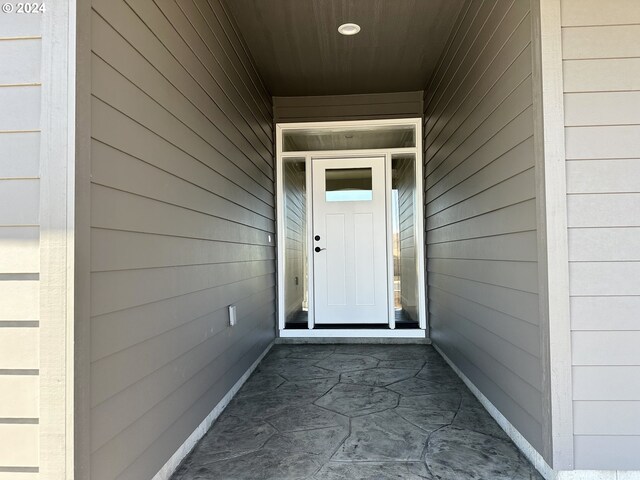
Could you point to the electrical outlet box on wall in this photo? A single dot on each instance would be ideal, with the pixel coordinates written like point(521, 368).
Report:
point(233, 319)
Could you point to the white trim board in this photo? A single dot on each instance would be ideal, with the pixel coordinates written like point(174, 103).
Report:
point(351, 341)
point(552, 241)
point(173, 463)
point(308, 156)
point(597, 475)
point(56, 224)
point(353, 333)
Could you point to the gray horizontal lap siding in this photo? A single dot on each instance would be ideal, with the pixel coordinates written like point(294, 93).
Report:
point(347, 107)
point(481, 211)
point(601, 52)
point(182, 204)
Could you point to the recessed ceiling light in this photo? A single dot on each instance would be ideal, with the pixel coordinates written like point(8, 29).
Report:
point(349, 28)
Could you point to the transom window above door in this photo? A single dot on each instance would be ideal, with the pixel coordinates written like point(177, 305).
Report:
point(360, 138)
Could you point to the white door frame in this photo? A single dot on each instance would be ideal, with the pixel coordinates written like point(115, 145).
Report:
point(419, 216)
point(377, 207)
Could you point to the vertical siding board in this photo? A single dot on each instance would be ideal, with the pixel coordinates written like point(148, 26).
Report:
point(181, 207)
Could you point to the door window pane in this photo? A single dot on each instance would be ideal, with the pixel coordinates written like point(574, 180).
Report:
point(348, 184)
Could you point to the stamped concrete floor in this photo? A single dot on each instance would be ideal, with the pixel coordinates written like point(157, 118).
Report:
point(355, 412)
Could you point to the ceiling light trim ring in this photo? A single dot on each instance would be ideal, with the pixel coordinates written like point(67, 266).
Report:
point(349, 29)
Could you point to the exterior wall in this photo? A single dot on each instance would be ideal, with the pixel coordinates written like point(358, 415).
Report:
point(20, 91)
point(36, 243)
point(481, 212)
point(601, 51)
point(182, 203)
point(347, 107)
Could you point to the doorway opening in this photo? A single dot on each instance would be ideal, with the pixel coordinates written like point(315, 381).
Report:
point(350, 229)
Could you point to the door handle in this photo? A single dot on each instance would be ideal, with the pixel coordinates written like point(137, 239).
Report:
point(318, 249)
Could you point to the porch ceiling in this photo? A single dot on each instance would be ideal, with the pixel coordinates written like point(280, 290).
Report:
point(298, 50)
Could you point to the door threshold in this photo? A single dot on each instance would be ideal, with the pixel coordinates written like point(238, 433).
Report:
point(362, 326)
point(354, 333)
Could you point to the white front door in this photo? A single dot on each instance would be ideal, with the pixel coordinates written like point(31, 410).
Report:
point(350, 241)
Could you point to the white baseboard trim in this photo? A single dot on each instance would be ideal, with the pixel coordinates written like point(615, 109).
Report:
point(351, 340)
point(354, 333)
point(525, 447)
point(598, 475)
point(172, 464)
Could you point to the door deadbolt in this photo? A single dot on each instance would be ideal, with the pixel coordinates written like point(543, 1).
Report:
point(316, 238)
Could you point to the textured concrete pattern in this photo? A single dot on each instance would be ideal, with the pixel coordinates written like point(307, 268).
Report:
point(355, 412)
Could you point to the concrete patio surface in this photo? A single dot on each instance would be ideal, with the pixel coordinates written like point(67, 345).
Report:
point(355, 412)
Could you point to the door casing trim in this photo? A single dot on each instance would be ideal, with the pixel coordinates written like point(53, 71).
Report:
point(419, 214)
